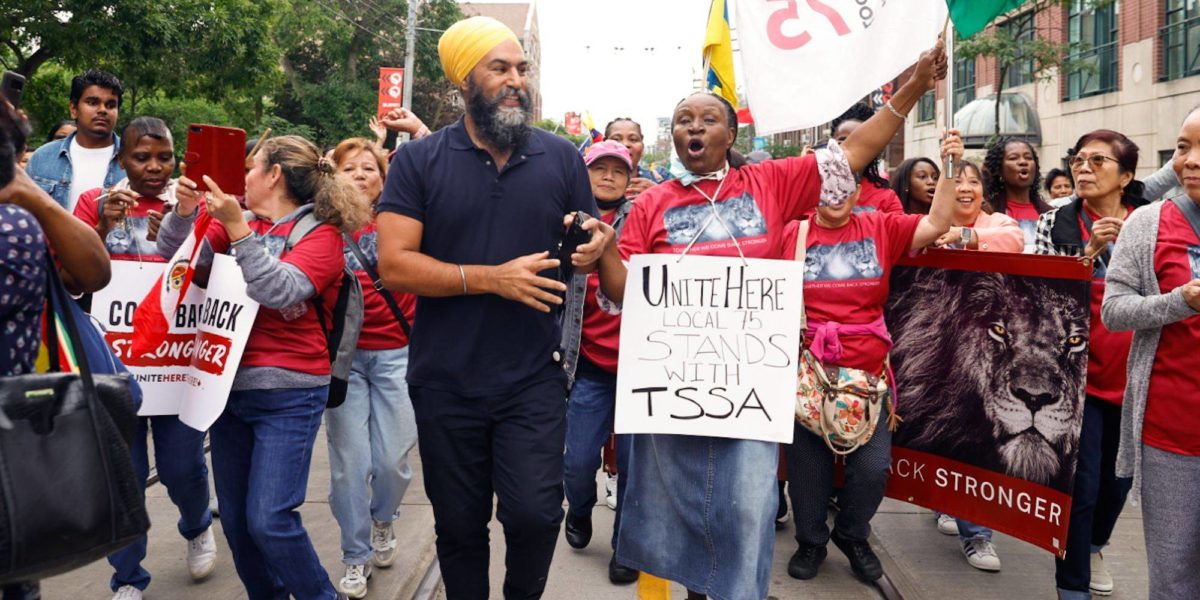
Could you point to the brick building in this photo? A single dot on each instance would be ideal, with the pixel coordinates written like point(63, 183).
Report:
point(521, 17)
point(1145, 57)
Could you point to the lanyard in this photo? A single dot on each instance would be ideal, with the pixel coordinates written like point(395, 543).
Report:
point(712, 203)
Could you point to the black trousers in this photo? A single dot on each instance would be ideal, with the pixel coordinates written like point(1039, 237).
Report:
point(510, 445)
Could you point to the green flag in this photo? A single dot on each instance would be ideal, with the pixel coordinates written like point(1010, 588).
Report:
point(971, 16)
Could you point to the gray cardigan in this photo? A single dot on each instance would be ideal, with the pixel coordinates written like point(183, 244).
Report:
point(1132, 302)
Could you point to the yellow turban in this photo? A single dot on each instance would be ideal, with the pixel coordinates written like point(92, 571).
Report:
point(467, 42)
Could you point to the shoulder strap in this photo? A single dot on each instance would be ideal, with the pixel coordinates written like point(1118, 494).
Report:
point(1190, 211)
point(801, 255)
point(377, 283)
point(304, 226)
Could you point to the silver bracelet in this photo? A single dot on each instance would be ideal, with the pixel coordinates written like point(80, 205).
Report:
point(463, 275)
point(889, 106)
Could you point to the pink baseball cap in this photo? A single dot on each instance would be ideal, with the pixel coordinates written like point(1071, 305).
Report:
point(608, 148)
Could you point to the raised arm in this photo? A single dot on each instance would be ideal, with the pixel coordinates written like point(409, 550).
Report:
point(1161, 182)
point(84, 262)
point(941, 212)
point(873, 136)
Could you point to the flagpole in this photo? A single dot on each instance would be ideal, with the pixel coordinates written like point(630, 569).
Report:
point(949, 108)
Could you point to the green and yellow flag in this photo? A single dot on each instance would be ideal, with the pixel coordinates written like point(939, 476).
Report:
point(972, 16)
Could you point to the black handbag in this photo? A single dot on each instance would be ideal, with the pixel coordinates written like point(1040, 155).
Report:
point(68, 492)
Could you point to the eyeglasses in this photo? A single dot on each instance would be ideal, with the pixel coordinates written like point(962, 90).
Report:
point(1095, 160)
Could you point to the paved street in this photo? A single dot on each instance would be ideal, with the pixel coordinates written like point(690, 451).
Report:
point(921, 562)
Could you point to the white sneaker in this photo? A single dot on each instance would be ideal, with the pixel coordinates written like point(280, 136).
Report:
point(383, 542)
point(127, 592)
point(354, 583)
point(201, 555)
point(947, 524)
point(981, 554)
point(1102, 581)
point(610, 491)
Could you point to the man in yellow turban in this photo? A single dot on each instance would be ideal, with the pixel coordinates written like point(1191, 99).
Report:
point(465, 221)
point(467, 42)
point(484, 60)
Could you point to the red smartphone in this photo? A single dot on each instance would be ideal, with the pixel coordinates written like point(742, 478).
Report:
point(220, 153)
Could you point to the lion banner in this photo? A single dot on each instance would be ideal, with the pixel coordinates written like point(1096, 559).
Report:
point(990, 359)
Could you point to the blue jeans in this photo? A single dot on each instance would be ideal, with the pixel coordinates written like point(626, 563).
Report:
point(970, 531)
point(589, 423)
point(179, 458)
point(262, 448)
point(1096, 500)
point(369, 439)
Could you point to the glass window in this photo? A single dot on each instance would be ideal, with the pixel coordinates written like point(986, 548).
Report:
point(1020, 27)
point(1180, 39)
point(1092, 33)
point(964, 82)
point(927, 107)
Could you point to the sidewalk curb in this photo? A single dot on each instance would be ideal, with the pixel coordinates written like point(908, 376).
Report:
point(900, 578)
point(412, 583)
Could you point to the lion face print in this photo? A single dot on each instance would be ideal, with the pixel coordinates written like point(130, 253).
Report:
point(739, 217)
point(843, 261)
point(1008, 393)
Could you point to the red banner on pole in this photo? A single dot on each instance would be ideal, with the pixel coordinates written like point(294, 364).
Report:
point(391, 90)
point(573, 123)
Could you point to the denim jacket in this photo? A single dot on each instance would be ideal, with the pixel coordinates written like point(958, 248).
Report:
point(50, 168)
point(572, 323)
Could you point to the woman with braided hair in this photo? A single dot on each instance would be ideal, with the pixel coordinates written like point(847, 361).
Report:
point(262, 444)
point(1013, 184)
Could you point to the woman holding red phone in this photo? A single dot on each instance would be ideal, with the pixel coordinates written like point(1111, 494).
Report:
point(262, 444)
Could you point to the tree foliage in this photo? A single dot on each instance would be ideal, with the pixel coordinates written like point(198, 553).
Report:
point(1007, 42)
point(299, 66)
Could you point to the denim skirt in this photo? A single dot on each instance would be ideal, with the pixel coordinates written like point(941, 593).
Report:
point(700, 511)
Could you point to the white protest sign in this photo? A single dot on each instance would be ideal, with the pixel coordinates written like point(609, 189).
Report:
point(190, 372)
point(709, 347)
point(222, 328)
point(806, 61)
point(165, 374)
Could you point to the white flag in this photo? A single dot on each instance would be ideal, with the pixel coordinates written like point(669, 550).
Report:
point(807, 61)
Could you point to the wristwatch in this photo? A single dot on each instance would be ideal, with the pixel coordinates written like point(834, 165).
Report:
point(966, 236)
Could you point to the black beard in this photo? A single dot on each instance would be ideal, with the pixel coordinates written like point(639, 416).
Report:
point(490, 126)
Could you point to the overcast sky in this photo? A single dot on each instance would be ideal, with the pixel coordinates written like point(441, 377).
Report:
point(619, 58)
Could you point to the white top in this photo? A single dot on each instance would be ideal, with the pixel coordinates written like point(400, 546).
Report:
point(88, 168)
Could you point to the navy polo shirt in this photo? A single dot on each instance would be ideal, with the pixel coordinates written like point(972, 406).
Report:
point(475, 215)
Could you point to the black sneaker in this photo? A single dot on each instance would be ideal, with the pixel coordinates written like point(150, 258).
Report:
point(806, 561)
point(620, 575)
point(578, 531)
point(863, 561)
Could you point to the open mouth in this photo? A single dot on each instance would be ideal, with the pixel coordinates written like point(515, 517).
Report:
point(695, 148)
point(1023, 173)
point(966, 200)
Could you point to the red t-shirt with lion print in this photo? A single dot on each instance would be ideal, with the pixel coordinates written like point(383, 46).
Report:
point(846, 273)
